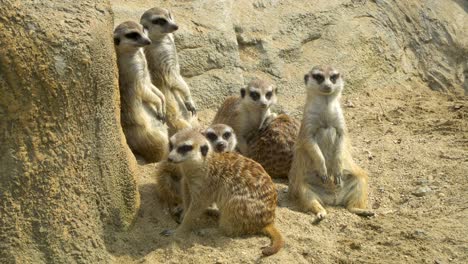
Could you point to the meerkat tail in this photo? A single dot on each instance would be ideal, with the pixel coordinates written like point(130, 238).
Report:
point(277, 241)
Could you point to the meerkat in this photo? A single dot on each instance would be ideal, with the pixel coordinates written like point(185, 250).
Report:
point(221, 137)
point(323, 171)
point(240, 187)
point(273, 145)
point(249, 112)
point(142, 104)
point(165, 70)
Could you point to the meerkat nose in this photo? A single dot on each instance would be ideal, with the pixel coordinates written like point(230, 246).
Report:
point(170, 160)
point(220, 146)
point(176, 27)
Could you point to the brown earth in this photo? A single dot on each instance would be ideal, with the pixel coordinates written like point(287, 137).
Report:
point(412, 139)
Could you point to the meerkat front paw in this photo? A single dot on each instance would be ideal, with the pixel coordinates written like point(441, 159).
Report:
point(319, 217)
point(190, 107)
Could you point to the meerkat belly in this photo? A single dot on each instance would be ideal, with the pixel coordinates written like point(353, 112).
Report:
point(326, 138)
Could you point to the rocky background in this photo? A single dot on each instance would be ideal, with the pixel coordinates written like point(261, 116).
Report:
point(405, 64)
point(68, 182)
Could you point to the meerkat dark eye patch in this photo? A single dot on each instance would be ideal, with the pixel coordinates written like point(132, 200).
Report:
point(254, 95)
point(132, 35)
point(227, 135)
point(184, 149)
point(116, 41)
point(204, 150)
point(334, 77)
point(211, 136)
point(159, 21)
point(242, 93)
point(171, 147)
point(318, 77)
point(269, 95)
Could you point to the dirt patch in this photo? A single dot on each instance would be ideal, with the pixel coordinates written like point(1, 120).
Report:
point(414, 144)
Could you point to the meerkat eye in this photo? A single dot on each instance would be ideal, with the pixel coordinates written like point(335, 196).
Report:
point(211, 136)
point(268, 95)
point(334, 77)
point(318, 77)
point(159, 21)
point(184, 149)
point(227, 135)
point(132, 35)
point(204, 150)
point(255, 96)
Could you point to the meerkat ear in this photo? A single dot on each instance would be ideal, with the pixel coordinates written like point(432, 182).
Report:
point(116, 41)
point(170, 15)
point(306, 78)
point(243, 92)
point(276, 90)
point(204, 150)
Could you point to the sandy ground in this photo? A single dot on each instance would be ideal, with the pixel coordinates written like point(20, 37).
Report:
point(414, 144)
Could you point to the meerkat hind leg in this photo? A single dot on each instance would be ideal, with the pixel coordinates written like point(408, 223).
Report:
point(310, 202)
point(356, 195)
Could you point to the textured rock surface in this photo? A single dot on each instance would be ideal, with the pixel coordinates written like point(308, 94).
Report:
point(378, 44)
point(66, 177)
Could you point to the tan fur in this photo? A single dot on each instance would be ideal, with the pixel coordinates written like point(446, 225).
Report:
point(323, 171)
point(273, 145)
point(142, 104)
point(165, 70)
point(169, 188)
point(240, 187)
point(244, 114)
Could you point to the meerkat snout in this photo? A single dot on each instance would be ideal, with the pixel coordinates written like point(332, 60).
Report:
point(221, 137)
point(183, 148)
point(325, 81)
point(130, 35)
point(158, 21)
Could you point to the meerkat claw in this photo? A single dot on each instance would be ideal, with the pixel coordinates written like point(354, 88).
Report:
point(190, 107)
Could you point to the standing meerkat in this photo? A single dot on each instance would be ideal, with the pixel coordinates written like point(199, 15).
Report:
point(323, 171)
point(249, 112)
point(240, 187)
point(221, 137)
point(142, 104)
point(165, 70)
point(273, 145)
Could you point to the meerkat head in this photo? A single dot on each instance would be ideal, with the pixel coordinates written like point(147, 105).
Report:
point(130, 36)
point(259, 94)
point(221, 137)
point(188, 145)
point(158, 22)
point(324, 80)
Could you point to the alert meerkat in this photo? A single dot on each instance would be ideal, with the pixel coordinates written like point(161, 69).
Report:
point(165, 70)
point(273, 145)
point(142, 104)
point(240, 187)
point(249, 112)
point(323, 171)
point(222, 139)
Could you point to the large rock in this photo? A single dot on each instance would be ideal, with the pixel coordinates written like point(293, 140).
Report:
point(378, 44)
point(66, 174)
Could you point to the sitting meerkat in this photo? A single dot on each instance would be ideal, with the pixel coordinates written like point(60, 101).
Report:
point(164, 67)
point(142, 104)
point(249, 112)
point(273, 145)
point(240, 187)
point(222, 139)
point(323, 171)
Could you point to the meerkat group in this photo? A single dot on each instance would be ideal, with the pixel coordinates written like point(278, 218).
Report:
point(230, 163)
